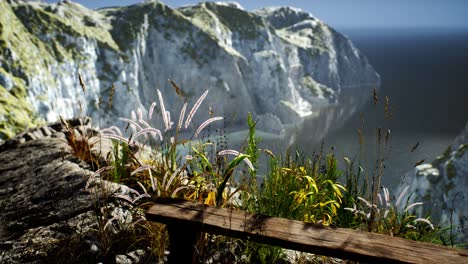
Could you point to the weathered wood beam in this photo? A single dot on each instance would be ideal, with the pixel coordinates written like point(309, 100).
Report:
point(335, 242)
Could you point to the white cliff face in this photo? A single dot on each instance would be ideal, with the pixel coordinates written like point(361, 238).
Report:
point(281, 64)
point(442, 185)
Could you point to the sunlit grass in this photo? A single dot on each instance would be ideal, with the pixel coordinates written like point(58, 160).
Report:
point(309, 188)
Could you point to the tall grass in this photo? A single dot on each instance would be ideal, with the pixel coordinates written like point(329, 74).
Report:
point(368, 205)
point(310, 188)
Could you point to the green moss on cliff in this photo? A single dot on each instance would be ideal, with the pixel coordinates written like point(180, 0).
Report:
point(246, 24)
point(461, 150)
point(316, 89)
point(23, 52)
point(442, 158)
point(205, 19)
point(59, 26)
point(15, 113)
point(314, 39)
point(129, 21)
point(451, 170)
point(201, 54)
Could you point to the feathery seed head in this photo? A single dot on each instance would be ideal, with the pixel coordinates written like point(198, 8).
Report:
point(206, 123)
point(153, 105)
point(181, 117)
point(163, 111)
point(195, 108)
point(401, 195)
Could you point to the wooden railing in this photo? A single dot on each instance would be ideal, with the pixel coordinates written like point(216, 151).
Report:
point(186, 220)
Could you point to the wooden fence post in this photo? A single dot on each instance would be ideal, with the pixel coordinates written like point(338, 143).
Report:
point(183, 239)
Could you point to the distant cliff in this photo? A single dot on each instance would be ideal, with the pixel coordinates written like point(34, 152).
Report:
point(282, 64)
point(442, 186)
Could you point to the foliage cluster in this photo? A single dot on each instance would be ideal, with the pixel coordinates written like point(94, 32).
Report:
point(162, 163)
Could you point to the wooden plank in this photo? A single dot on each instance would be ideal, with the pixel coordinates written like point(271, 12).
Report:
point(335, 242)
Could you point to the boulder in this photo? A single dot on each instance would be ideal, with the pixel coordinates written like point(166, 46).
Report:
point(47, 215)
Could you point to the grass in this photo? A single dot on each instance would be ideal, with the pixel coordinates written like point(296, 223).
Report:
point(158, 162)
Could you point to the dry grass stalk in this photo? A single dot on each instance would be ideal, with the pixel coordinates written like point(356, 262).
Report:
point(387, 107)
point(376, 98)
point(82, 84)
point(195, 108)
point(206, 123)
point(111, 96)
point(177, 89)
point(361, 137)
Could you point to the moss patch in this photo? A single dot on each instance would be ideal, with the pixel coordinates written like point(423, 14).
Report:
point(247, 25)
point(201, 54)
point(21, 50)
point(51, 31)
point(127, 22)
point(313, 39)
point(442, 158)
point(205, 19)
point(316, 89)
point(461, 150)
point(451, 170)
point(15, 113)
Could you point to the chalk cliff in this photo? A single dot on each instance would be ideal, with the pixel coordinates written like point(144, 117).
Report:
point(282, 64)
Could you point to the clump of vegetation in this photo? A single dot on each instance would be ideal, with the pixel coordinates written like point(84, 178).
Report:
point(159, 162)
point(300, 188)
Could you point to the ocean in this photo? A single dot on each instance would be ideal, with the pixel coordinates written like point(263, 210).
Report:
point(425, 75)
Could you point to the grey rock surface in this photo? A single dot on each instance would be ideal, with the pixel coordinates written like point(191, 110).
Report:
point(442, 186)
point(46, 213)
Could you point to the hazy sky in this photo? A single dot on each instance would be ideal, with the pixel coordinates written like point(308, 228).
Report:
point(353, 13)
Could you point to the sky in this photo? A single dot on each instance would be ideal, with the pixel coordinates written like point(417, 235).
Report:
point(353, 13)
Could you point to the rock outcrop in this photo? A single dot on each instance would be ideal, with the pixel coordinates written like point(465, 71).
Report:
point(279, 63)
point(46, 213)
point(442, 186)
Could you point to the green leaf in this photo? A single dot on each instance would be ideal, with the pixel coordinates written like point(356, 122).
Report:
point(227, 174)
point(235, 162)
point(204, 160)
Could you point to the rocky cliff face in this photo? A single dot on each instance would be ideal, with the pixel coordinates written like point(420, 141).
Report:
point(442, 184)
point(282, 64)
